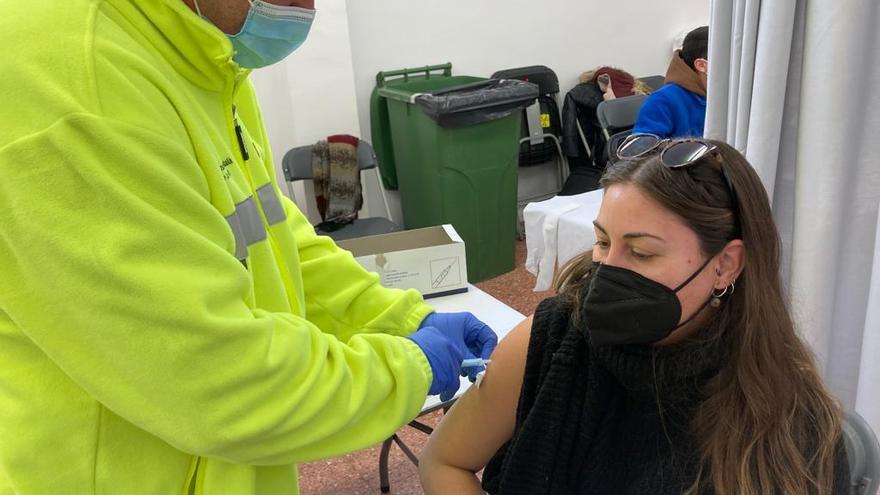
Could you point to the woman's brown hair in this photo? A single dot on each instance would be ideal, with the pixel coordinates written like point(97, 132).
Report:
point(767, 424)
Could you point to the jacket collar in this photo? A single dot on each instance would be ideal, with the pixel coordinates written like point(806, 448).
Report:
point(197, 49)
point(681, 73)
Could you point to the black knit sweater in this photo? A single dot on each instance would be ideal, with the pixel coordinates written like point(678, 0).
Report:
point(604, 420)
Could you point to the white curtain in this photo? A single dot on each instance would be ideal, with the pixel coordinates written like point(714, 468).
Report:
point(795, 85)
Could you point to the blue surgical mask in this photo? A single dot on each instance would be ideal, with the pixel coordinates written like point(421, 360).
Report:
point(270, 33)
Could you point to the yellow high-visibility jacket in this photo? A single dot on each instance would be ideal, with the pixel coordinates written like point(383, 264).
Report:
point(169, 322)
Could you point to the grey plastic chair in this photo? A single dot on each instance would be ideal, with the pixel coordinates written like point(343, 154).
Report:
point(619, 114)
point(654, 82)
point(297, 166)
point(863, 452)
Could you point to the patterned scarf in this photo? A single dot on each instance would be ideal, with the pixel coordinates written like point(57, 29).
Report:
point(337, 180)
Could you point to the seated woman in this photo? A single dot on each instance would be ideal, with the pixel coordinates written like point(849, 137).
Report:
point(668, 362)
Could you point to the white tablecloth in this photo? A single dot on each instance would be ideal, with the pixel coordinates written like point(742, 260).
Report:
point(501, 317)
point(557, 230)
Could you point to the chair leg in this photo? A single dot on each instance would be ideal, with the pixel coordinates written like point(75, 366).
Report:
point(563, 162)
point(586, 144)
point(384, 484)
point(406, 450)
point(422, 427)
point(384, 197)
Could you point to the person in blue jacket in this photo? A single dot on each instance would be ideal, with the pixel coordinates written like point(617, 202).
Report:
point(678, 109)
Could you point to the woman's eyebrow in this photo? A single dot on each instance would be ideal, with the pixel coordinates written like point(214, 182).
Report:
point(630, 235)
point(636, 235)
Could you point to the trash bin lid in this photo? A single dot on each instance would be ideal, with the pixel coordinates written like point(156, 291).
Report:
point(476, 102)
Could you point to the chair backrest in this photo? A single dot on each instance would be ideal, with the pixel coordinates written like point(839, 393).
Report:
point(654, 82)
point(297, 163)
point(614, 143)
point(619, 114)
point(297, 166)
point(540, 75)
point(863, 452)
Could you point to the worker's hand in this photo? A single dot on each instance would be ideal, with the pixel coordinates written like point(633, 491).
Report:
point(445, 357)
point(475, 338)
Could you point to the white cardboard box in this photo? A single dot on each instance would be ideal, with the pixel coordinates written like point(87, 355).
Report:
point(430, 260)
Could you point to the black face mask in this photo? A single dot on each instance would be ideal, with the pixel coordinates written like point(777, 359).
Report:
point(623, 307)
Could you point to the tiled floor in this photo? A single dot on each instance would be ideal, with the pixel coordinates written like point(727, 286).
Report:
point(358, 474)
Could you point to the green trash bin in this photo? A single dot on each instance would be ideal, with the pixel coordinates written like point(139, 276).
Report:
point(455, 147)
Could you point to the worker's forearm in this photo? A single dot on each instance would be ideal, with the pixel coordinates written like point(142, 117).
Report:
point(341, 297)
point(442, 479)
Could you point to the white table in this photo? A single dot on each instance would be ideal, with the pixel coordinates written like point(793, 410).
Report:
point(501, 317)
point(557, 230)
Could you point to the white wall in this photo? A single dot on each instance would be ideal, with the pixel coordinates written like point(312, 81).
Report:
point(324, 87)
point(311, 94)
point(483, 36)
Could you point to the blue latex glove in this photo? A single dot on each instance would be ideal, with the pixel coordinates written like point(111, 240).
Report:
point(445, 358)
point(475, 338)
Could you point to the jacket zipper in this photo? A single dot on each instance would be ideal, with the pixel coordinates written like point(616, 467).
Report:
point(239, 135)
point(192, 488)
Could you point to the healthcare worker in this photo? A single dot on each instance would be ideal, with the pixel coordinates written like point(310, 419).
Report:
point(169, 322)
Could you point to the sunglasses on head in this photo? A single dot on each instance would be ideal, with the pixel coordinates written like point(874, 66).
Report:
point(675, 154)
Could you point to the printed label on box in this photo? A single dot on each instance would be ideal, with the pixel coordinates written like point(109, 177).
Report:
point(445, 272)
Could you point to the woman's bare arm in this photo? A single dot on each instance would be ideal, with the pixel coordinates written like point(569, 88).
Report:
point(479, 423)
